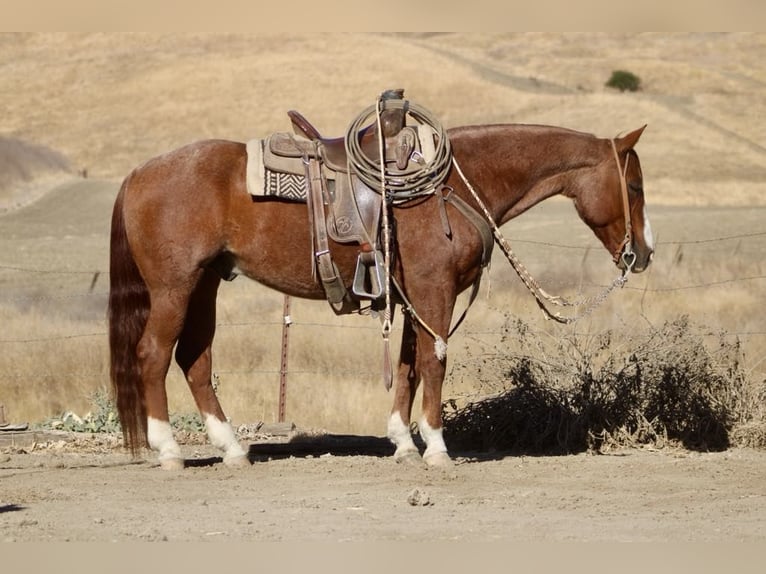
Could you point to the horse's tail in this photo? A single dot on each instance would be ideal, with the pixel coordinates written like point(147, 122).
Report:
point(127, 313)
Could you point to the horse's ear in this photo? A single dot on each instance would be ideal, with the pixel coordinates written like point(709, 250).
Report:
point(630, 140)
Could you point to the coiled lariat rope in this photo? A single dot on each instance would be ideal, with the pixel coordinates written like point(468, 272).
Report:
point(398, 186)
point(530, 283)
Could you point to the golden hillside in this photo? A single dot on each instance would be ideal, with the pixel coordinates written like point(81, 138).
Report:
point(109, 101)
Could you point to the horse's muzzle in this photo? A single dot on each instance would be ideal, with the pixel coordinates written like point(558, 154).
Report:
point(635, 261)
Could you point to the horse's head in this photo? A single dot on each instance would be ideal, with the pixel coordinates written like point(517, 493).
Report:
point(610, 199)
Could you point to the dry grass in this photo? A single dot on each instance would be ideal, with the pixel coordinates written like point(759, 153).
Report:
point(108, 102)
point(609, 390)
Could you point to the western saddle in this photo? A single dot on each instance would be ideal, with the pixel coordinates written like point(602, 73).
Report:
point(341, 206)
point(347, 191)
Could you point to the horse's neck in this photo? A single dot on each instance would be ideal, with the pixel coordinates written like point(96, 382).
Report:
point(522, 165)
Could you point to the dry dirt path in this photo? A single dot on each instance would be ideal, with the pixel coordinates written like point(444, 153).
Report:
point(94, 492)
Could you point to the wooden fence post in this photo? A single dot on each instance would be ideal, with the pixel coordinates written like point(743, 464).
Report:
point(286, 321)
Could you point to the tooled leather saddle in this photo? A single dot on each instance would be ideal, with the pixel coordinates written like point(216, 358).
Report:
point(341, 206)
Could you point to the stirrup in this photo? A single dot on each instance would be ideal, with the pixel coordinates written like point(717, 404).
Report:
point(368, 278)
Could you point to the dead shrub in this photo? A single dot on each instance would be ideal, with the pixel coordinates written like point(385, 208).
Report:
point(601, 391)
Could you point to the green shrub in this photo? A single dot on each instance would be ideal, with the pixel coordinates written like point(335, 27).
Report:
point(190, 422)
point(103, 418)
point(624, 81)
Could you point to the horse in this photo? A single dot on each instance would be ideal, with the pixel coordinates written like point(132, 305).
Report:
point(184, 220)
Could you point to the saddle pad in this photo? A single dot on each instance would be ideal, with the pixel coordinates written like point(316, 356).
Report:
point(264, 182)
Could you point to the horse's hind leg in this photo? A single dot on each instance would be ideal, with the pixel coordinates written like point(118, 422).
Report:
point(154, 353)
point(194, 356)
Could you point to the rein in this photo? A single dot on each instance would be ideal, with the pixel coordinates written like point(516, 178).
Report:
point(388, 374)
point(541, 296)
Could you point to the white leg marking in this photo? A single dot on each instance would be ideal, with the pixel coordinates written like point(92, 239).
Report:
point(433, 438)
point(648, 237)
point(399, 434)
point(161, 439)
point(436, 451)
point(222, 436)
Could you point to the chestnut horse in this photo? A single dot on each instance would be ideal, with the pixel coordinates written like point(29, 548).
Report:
point(184, 220)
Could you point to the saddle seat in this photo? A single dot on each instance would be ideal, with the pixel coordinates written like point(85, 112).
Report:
point(399, 141)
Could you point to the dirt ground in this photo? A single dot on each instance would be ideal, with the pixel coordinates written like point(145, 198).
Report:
point(347, 488)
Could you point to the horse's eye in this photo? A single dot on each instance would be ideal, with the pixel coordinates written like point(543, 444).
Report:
point(636, 187)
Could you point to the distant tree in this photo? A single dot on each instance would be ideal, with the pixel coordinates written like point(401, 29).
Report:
point(624, 80)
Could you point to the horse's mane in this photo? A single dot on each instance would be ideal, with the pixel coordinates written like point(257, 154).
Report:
point(529, 129)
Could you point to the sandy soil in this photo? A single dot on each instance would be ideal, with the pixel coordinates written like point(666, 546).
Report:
point(337, 488)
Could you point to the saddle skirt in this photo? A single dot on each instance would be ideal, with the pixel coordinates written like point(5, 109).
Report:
point(276, 167)
point(352, 209)
point(286, 182)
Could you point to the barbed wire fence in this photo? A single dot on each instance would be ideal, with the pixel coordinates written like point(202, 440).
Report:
point(91, 286)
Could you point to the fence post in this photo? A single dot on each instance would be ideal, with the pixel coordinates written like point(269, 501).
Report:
point(286, 321)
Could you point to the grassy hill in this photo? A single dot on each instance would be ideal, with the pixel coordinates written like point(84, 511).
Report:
point(27, 171)
point(107, 102)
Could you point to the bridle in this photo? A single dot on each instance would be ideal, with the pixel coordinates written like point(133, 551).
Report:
point(625, 251)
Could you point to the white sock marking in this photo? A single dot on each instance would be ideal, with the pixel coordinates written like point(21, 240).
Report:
point(161, 439)
point(399, 434)
point(222, 436)
point(433, 438)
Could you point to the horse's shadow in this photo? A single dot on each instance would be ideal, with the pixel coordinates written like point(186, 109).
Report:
point(342, 445)
point(302, 446)
point(10, 508)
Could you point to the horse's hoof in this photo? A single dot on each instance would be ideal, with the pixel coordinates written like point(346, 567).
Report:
point(240, 461)
point(438, 459)
point(172, 463)
point(409, 458)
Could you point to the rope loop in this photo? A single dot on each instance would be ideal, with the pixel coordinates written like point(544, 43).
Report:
point(540, 295)
point(413, 182)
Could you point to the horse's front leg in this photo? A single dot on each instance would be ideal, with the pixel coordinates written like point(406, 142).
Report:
point(418, 361)
point(406, 385)
point(432, 364)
